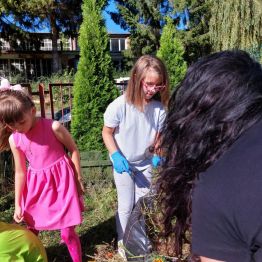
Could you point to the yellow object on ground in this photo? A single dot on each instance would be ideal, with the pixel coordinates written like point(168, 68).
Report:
point(17, 244)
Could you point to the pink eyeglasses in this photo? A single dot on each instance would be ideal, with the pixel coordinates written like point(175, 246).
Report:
point(155, 87)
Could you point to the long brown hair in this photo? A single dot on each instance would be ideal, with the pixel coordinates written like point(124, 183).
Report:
point(134, 93)
point(13, 105)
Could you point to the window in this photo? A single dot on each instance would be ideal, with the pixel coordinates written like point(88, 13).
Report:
point(4, 67)
point(117, 44)
point(33, 68)
point(29, 46)
point(66, 44)
point(4, 45)
point(114, 45)
point(122, 44)
point(46, 45)
point(17, 66)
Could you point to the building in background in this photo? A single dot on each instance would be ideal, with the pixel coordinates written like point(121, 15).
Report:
point(118, 43)
point(33, 58)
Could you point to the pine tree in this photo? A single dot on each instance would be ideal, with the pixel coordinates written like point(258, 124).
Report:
point(144, 20)
point(171, 52)
point(196, 40)
point(93, 88)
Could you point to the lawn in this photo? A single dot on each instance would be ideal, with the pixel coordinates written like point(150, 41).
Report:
point(97, 232)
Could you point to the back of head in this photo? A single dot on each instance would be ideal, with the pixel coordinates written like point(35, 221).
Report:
point(13, 104)
point(146, 63)
point(219, 98)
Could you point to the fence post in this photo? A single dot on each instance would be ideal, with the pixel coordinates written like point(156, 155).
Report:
point(41, 90)
point(51, 100)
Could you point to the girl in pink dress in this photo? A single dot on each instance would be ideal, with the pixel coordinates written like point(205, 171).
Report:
point(48, 183)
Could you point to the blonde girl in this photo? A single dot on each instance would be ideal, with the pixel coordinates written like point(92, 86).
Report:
point(132, 123)
point(48, 188)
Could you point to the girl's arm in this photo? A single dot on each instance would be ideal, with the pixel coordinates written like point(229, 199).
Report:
point(120, 163)
point(20, 175)
point(66, 139)
point(158, 152)
point(157, 144)
point(107, 134)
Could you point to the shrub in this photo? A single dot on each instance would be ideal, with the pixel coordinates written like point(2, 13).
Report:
point(94, 87)
point(171, 51)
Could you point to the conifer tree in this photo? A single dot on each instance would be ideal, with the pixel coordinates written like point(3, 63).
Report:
point(171, 52)
point(144, 20)
point(196, 40)
point(94, 87)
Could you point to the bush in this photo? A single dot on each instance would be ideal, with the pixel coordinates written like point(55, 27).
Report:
point(94, 86)
point(171, 51)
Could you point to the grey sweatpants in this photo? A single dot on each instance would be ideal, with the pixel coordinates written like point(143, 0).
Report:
point(129, 189)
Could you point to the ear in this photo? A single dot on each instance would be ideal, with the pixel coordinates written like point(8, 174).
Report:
point(33, 110)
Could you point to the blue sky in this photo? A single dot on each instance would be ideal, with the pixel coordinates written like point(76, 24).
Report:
point(110, 25)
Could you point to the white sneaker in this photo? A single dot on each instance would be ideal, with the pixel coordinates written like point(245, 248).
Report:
point(121, 250)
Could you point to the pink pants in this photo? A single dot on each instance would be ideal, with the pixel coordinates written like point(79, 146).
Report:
point(71, 239)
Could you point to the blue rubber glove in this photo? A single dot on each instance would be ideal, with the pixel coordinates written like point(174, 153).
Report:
point(120, 163)
point(156, 161)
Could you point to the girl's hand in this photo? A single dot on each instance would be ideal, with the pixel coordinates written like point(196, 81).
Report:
point(80, 186)
point(120, 163)
point(18, 216)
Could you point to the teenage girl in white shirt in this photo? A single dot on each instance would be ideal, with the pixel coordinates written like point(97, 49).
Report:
point(132, 124)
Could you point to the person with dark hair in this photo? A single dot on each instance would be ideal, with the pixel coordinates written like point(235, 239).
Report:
point(213, 147)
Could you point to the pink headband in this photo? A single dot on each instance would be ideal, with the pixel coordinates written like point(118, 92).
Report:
point(5, 85)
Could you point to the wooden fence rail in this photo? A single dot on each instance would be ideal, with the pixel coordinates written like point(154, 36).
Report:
point(88, 160)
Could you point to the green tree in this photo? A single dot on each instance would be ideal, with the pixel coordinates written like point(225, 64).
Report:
point(171, 51)
point(196, 40)
point(60, 16)
point(239, 26)
point(94, 87)
point(144, 20)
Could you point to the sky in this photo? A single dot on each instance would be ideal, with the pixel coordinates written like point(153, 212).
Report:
point(110, 25)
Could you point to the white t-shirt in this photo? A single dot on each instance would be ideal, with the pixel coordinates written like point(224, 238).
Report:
point(135, 131)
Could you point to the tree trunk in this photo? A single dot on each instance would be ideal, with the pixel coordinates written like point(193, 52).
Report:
point(56, 63)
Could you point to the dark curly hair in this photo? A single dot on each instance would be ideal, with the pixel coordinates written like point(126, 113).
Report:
point(219, 99)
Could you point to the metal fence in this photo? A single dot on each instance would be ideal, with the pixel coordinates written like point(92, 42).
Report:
point(60, 98)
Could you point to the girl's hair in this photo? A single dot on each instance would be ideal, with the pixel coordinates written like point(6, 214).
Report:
point(219, 99)
point(13, 105)
point(134, 92)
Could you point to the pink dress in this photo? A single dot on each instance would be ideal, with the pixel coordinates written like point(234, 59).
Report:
point(50, 198)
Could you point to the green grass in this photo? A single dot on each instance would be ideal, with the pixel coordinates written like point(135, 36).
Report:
point(97, 232)
point(98, 226)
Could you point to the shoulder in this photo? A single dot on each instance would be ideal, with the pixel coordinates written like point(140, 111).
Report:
point(119, 101)
point(14, 139)
point(11, 140)
point(117, 105)
point(244, 154)
point(56, 125)
point(235, 172)
point(44, 122)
